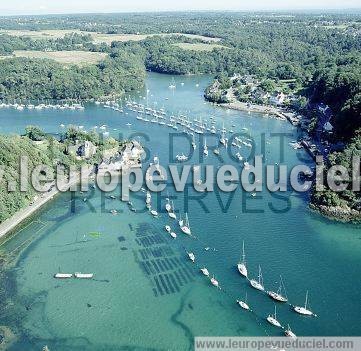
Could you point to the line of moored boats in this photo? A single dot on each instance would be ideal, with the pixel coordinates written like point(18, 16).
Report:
point(42, 106)
point(278, 296)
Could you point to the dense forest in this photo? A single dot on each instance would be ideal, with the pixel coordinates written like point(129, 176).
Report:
point(22, 78)
point(319, 53)
point(345, 205)
point(41, 149)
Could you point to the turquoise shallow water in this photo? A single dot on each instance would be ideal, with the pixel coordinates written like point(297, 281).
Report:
point(146, 294)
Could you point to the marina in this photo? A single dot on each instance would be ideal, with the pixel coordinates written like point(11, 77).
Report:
point(133, 256)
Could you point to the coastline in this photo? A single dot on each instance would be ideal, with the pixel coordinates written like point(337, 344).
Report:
point(10, 224)
point(242, 106)
point(267, 111)
point(337, 213)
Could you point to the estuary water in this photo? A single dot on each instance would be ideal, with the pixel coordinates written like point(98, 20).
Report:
point(146, 294)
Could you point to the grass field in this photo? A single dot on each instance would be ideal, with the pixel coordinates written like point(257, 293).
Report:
point(97, 37)
point(67, 57)
point(199, 46)
point(44, 34)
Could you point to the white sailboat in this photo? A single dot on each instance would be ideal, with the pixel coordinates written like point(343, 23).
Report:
point(180, 222)
point(171, 213)
point(304, 310)
point(154, 213)
point(278, 296)
point(214, 282)
point(168, 206)
point(185, 228)
point(241, 266)
point(194, 145)
point(244, 304)
point(272, 319)
point(258, 284)
point(290, 333)
point(191, 256)
point(223, 140)
point(167, 228)
point(148, 198)
point(205, 148)
point(173, 235)
point(204, 270)
point(172, 85)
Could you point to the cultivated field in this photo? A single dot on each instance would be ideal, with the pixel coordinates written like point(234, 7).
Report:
point(199, 46)
point(44, 34)
point(97, 37)
point(66, 57)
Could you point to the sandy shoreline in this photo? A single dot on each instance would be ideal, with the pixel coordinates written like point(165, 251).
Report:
point(15, 220)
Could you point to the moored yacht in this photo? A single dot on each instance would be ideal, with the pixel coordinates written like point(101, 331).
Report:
point(244, 304)
point(241, 266)
point(168, 206)
point(304, 310)
point(290, 333)
point(191, 256)
point(154, 213)
point(214, 282)
point(83, 275)
point(205, 148)
point(272, 319)
point(185, 227)
point(167, 228)
point(258, 284)
point(63, 275)
point(204, 270)
point(148, 198)
point(280, 295)
point(171, 213)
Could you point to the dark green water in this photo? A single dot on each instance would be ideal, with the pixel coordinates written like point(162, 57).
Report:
point(146, 294)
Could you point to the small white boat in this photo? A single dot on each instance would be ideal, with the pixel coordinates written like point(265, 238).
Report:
point(154, 213)
point(148, 198)
point(83, 275)
point(241, 266)
point(113, 212)
point(180, 221)
point(244, 305)
point(63, 275)
point(185, 227)
point(173, 235)
point(168, 206)
point(205, 148)
point(167, 228)
point(216, 151)
point(258, 284)
point(290, 333)
point(272, 319)
point(194, 145)
point(204, 270)
point(171, 212)
point(214, 282)
point(304, 310)
point(191, 256)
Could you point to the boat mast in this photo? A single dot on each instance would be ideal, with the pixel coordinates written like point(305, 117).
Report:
point(260, 280)
point(243, 254)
